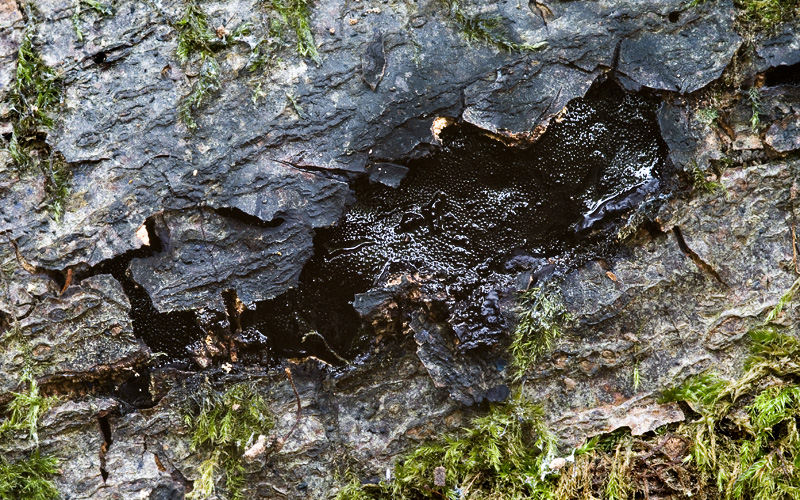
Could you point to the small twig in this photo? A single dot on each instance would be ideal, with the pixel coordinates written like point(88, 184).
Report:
point(434, 491)
point(792, 196)
point(794, 249)
point(325, 342)
point(283, 440)
point(22, 262)
point(67, 282)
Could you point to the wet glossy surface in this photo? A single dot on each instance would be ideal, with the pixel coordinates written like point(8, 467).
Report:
point(463, 213)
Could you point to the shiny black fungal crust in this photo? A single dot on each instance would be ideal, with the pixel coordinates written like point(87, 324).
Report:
point(166, 334)
point(462, 214)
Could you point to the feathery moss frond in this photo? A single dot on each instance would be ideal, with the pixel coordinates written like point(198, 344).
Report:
point(26, 409)
point(223, 427)
point(35, 92)
point(542, 315)
point(28, 479)
point(208, 82)
point(486, 29)
point(755, 106)
point(296, 15)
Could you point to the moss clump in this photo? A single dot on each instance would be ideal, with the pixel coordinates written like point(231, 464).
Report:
point(745, 441)
point(755, 106)
point(542, 315)
point(28, 478)
point(35, 93)
point(707, 116)
point(701, 180)
point(25, 410)
point(485, 29)
point(207, 84)
point(58, 187)
point(195, 37)
point(501, 455)
point(296, 15)
point(264, 50)
point(766, 14)
point(197, 42)
point(223, 427)
point(762, 14)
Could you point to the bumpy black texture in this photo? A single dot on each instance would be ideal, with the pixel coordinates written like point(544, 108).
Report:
point(463, 213)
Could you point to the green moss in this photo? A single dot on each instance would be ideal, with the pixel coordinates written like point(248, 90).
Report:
point(25, 410)
point(541, 317)
point(82, 6)
point(28, 479)
point(618, 484)
point(195, 38)
point(197, 42)
point(485, 29)
point(263, 52)
point(501, 455)
point(762, 14)
point(702, 391)
point(766, 14)
point(755, 104)
point(353, 490)
point(223, 427)
point(707, 116)
point(701, 181)
point(745, 442)
point(194, 33)
point(57, 187)
point(208, 83)
point(296, 15)
point(35, 92)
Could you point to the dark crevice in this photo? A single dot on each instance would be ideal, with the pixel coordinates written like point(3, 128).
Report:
point(167, 333)
point(241, 216)
point(99, 58)
point(325, 171)
point(105, 429)
point(467, 220)
point(674, 16)
point(178, 335)
point(699, 262)
point(783, 75)
point(135, 391)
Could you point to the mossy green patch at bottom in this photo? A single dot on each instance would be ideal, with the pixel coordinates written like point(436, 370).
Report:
point(28, 479)
point(223, 427)
point(540, 319)
point(25, 410)
point(501, 455)
point(745, 440)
